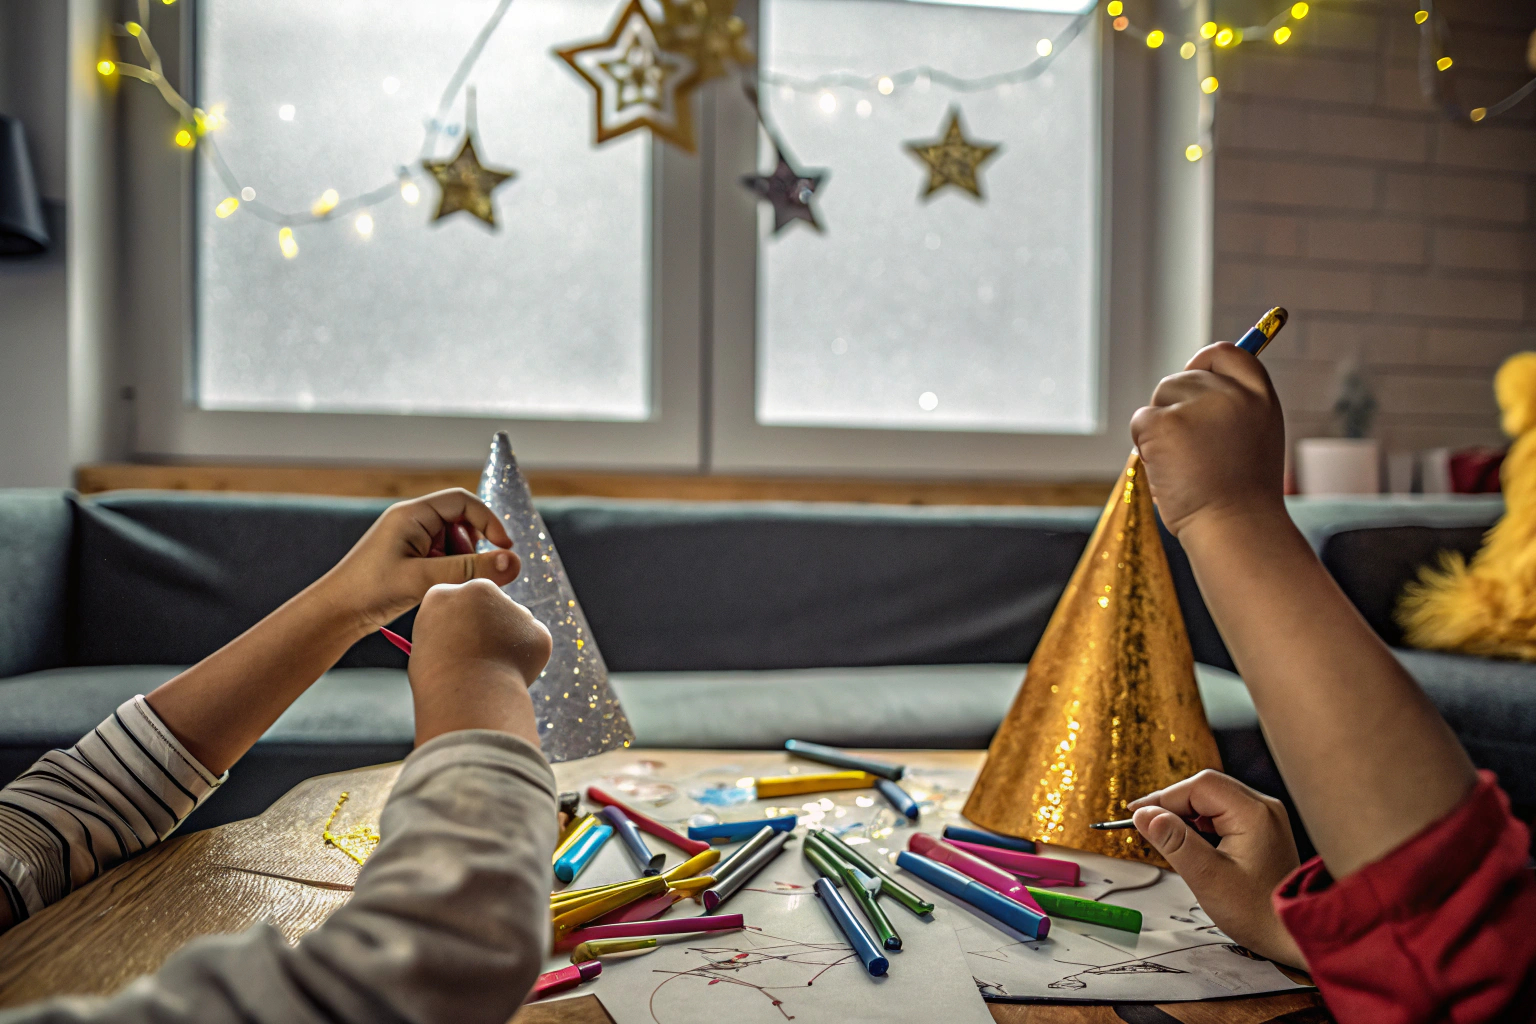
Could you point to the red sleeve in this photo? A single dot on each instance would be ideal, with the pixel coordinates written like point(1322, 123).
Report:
point(1443, 928)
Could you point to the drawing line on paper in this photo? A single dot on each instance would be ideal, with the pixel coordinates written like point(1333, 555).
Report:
point(725, 964)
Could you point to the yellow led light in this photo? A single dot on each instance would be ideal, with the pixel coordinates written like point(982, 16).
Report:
point(326, 203)
point(1208, 30)
point(1478, 113)
point(1224, 37)
point(286, 243)
point(1193, 152)
point(227, 207)
point(1300, 9)
point(1115, 8)
point(106, 67)
point(1187, 50)
point(1155, 38)
point(1420, 17)
point(167, 2)
point(1121, 23)
point(1282, 34)
point(364, 224)
point(1209, 84)
point(886, 86)
point(409, 192)
point(184, 139)
point(133, 27)
point(1043, 47)
point(1443, 63)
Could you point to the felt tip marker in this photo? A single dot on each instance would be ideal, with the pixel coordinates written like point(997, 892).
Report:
point(858, 936)
point(610, 947)
point(1105, 826)
point(1060, 904)
point(888, 885)
point(647, 862)
point(581, 852)
point(694, 865)
point(736, 831)
point(969, 864)
point(1263, 332)
point(721, 891)
point(863, 886)
point(744, 852)
point(899, 798)
point(976, 835)
point(566, 921)
point(797, 785)
point(573, 836)
point(946, 879)
point(840, 759)
point(647, 929)
point(564, 978)
point(647, 824)
point(1052, 869)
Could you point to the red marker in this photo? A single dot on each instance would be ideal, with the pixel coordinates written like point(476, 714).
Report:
point(396, 639)
point(969, 864)
point(1049, 868)
point(564, 978)
point(646, 824)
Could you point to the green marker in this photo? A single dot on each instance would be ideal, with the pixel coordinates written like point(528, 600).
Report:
point(888, 885)
point(1058, 904)
point(824, 863)
point(884, 930)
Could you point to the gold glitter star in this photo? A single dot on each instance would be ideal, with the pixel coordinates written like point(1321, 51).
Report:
point(708, 32)
point(953, 160)
point(467, 185)
point(637, 83)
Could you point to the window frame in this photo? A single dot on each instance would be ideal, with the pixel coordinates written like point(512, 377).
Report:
point(703, 318)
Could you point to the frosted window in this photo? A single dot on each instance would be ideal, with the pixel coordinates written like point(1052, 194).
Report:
point(947, 313)
point(547, 317)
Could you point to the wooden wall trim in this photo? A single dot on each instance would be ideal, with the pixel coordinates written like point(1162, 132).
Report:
point(387, 482)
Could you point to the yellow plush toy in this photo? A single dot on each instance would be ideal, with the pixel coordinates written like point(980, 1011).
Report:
point(1489, 607)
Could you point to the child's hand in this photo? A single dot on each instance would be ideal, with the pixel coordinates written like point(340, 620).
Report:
point(474, 653)
point(1233, 880)
point(413, 546)
point(1213, 440)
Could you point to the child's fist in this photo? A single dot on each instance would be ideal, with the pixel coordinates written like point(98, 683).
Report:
point(474, 653)
point(1213, 439)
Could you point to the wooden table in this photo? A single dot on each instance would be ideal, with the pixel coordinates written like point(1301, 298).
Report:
point(277, 868)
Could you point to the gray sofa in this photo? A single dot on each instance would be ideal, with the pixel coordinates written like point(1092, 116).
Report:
point(859, 625)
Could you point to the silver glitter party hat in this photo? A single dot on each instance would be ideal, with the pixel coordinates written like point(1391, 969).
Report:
point(577, 711)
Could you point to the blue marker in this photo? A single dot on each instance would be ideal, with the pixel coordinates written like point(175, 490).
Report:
point(579, 856)
point(899, 798)
point(976, 835)
point(1263, 332)
point(994, 904)
point(736, 831)
point(839, 759)
point(858, 936)
point(649, 863)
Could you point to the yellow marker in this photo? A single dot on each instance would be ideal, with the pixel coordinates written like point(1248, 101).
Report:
point(571, 894)
point(693, 886)
point(576, 832)
point(567, 920)
point(693, 865)
point(794, 785)
point(596, 949)
point(582, 899)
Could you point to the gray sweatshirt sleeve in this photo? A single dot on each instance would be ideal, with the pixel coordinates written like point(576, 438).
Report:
point(449, 920)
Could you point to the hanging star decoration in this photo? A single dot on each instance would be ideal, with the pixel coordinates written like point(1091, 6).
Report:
point(637, 83)
point(466, 183)
point(788, 189)
point(706, 31)
point(356, 842)
point(953, 160)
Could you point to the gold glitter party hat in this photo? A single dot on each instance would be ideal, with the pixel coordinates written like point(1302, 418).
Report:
point(577, 711)
point(1109, 710)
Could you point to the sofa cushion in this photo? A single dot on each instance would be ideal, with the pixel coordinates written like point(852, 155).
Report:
point(34, 579)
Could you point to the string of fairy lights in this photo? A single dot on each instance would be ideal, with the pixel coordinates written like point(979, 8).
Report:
point(702, 36)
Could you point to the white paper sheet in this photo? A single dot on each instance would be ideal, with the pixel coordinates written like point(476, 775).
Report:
point(736, 976)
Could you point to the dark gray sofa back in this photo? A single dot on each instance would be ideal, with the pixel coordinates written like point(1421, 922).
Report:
point(34, 579)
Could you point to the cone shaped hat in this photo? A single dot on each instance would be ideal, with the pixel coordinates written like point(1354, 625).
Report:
point(1109, 710)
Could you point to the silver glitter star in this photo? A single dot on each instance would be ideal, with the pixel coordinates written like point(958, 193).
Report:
point(789, 190)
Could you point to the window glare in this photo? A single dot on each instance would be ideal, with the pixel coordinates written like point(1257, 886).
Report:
point(546, 317)
point(945, 313)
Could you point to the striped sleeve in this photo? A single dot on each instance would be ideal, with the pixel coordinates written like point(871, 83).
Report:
point(75, 813)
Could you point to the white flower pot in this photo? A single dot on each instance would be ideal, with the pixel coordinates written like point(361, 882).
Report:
point(1338, 465)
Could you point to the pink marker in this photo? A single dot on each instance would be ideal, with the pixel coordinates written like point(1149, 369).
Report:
point(564, 978)
point(967, 864)
point(646, 929)
point(640, 910)
point(396, 639)
point(646, 824)
point(1049, 868)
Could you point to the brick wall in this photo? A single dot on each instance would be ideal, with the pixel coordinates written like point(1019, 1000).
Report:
point(1393, 235)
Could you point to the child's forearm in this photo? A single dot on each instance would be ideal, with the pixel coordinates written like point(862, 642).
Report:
point(222, 705)
point(1364, 754)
